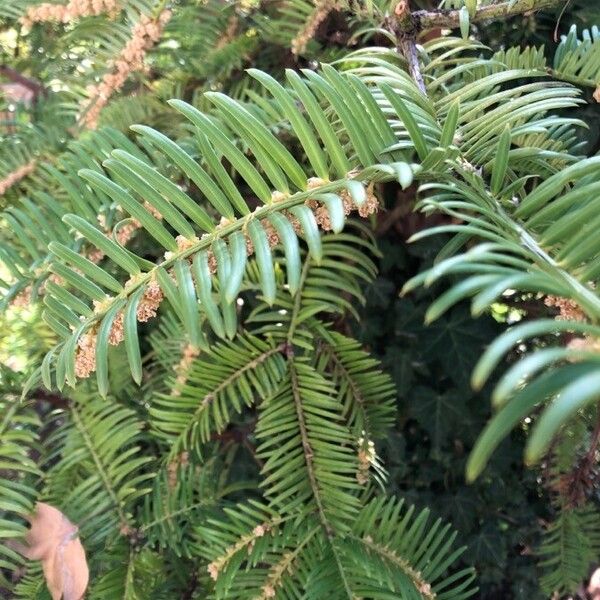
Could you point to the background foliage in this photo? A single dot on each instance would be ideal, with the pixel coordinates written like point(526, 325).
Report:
point(162, 489)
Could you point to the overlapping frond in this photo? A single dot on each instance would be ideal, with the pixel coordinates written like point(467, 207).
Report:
point(240, 537)
point(35, 219)
point(308, 452)
point(368, 395)
point(20, 155)
point(389, 550)
point(294, 23)
point(570, 544)
point(578, 59)
point(183, 493)
point(395, 544)
point(330, 286)
point(495, 142)
point(102, 472)
point(214, 48)
point(18, 476)
point(132, 575)
point(219, 383)
point(535, 242)
point(471, 116)
point(283, 189)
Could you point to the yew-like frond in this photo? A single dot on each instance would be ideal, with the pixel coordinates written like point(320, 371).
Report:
point(368, 394)
point(182, 495)
point(224, 215)
point(309, 455)
point(328, 287)
point(36, 220)
point(539, 244)
point(533, 238)
point(389, 550)
point(218, 383)
point(570, 544)
point(133, 575)
point(18, 476)
point(101, 473)
point(414, 554)
point(578, 59)
point(283, 188)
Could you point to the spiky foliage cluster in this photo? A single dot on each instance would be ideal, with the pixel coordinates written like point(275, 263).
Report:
point(198, 406)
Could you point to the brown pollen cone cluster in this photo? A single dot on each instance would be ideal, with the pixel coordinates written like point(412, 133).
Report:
point(85, 356)
point(144, 35)
point(16, 176)
point(368, 207)
point(322, 9)
point(188, 355)
point(568, 309)
point(123, 235)
point(23, 298)
point(65, 13)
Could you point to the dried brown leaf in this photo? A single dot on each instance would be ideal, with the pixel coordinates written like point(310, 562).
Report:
point(54, 540)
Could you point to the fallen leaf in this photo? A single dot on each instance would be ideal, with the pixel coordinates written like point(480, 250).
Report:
point(53, 539)
point(402, 9)
point(594, 585)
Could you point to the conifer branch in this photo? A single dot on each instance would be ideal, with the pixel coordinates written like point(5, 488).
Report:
point(284, 566)
point(306, 447)
point(31, 84)
point(169, 516)
point(310, 468)
point(241, 197)
point(423, 586)
point(208, 398)
point(124, 521)
point(450, 19)
point(336, 364)
point(408, 25)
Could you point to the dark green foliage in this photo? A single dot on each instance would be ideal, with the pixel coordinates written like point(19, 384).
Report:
point(234, 387)
point(439, 419)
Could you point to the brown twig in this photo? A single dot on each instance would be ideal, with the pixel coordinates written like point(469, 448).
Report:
point(594, 441)
point(404, 207)
point(577, 485)
point(406, 31)
point(193, 581)
point(407, 25)
point(450, 19)
point(35, 86)
point(55, 400)
point(239, 435)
